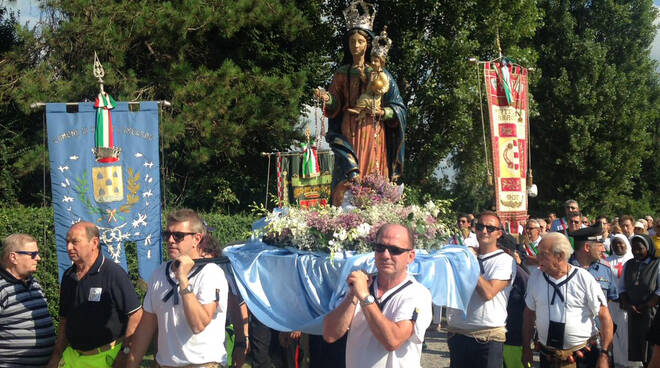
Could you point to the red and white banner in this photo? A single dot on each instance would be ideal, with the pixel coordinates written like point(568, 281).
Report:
point(509, 136)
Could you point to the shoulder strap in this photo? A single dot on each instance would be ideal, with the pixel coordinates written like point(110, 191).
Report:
point(381, 304)
point(563, 225)
point(482, 260)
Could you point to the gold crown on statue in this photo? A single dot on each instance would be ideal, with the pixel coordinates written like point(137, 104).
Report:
point(356, 20)
point(381, 44)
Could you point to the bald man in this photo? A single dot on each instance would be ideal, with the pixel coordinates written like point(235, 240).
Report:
point(99, 308)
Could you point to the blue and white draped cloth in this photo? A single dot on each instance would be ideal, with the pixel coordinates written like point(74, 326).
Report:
point(291, 290)
point(123, 197)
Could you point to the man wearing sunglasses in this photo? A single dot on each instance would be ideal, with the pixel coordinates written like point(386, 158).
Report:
point(561, 224)
point(27, 335)
point(477, 339)
point(385, 316)
point(99, 308)
point(531, 241)
point(185, 303)
point(465, 235)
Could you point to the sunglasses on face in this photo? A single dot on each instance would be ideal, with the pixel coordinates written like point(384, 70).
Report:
point(489, 228)
point(395, 251)
point(33, 255)
point(178, 235)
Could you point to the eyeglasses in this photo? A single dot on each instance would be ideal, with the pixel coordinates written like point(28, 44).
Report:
point(585, 222)
point(178, 235)
point(489, 228)
point(33, 255)
point(395, 251)
point(533, 228)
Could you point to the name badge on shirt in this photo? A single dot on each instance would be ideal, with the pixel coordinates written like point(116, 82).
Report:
point(95, 294)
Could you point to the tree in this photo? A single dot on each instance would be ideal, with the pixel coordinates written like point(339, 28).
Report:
point(237, 74)
point(21, 149)
point(597, 97)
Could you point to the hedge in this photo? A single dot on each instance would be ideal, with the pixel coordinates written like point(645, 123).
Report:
point(38, 222)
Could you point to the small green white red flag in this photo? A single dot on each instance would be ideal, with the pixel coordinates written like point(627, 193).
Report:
point(310, 161)
point(104, 103)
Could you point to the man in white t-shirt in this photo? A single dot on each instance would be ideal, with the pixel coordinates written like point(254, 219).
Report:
point(186, 303)
point(477, 340)
point(385, 317)
point(563, 301)
point(465, 236)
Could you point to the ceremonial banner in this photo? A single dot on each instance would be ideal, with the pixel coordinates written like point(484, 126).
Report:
point(506, 90)
point(115, 185)
point(296, 186)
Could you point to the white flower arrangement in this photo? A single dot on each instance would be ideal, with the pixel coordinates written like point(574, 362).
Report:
point(335, 229)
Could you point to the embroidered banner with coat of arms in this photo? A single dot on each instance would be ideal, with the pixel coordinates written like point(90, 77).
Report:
point(116, 187)
point(507, 93)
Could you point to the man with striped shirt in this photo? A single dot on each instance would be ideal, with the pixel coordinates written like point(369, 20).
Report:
point(27, 335)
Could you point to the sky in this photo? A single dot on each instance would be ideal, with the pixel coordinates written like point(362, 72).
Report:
point(28, 10)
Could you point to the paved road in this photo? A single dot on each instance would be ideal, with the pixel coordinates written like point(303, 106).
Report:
point(436, 353)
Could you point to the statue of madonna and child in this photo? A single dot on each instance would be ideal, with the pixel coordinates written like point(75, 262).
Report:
point(366, 114)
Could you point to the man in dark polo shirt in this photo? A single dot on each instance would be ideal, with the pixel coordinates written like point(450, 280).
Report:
point(99, 308)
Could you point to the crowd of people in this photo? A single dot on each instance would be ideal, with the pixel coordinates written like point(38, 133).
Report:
point(581, 293)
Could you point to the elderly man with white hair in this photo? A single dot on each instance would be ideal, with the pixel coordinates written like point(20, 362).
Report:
point(563, 301)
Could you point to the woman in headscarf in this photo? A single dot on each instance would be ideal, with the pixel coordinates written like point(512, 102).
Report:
point(621, 253)
point(374, 145)
point(640, 295)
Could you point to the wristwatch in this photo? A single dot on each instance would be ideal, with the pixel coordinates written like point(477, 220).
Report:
point(187, 290)
point(369, 299)
point(126, 350)
point(607, 352)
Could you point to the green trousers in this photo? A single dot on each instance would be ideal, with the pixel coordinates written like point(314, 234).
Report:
point(72, 359)
point(512, 356)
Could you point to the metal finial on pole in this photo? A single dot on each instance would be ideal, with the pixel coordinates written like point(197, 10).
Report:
point(98, 71)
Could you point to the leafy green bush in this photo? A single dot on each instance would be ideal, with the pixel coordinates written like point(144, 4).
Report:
point(38, 222)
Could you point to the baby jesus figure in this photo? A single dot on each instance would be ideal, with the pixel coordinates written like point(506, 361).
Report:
point(379, 83)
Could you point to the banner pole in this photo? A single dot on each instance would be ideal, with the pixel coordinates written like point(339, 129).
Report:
point(43, 174)
point(161, 149)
